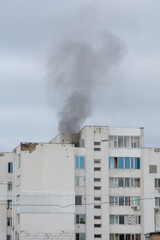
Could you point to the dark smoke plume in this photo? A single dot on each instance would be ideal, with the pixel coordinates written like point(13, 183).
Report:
point(75, 70)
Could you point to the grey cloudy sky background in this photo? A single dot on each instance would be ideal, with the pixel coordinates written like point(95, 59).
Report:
point(31, 30)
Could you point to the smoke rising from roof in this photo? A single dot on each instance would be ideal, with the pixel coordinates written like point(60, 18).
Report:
point(75, 70)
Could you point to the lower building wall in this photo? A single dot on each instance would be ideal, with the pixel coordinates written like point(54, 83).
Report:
point(46, 226)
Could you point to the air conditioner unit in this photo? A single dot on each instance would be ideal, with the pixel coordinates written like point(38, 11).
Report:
point(135, 208)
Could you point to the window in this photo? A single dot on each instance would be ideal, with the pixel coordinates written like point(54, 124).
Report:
point(157, 201)
point(9, 222)
point(127, 236)
point(19, 161)
point(76, 181)
point(9, 237)
point(124, 163)
point(125, 219)
point(97, 225)
point(97, 161)
point(97, 149)
point(81, 219)
point(18, 218)
point(137, 182)
point(124, 201)
point(124, 142)
point(97, 143)
point(127, 163)
point(127, 182)
point(97, 169)
point(79, 162)
point(78, 200)
point(97, 206)
point(97, 179)
point(97, 217)
point(152, 168)
point(135, 201)
point(135, 142)
point(97, 235)
point(9, 186)
point(121, 219)
point(157, 183)
point(9, 204)
point(97, 188)
point(97, 198)
point(10, 167)
point(79, 181)
point(81, 143)
point(121, 201)
point(120, 182)
point(80, 236)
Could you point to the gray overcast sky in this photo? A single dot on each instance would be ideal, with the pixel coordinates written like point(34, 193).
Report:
point(30, 30)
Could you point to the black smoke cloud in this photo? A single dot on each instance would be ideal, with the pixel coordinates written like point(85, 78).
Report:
point(75, 70)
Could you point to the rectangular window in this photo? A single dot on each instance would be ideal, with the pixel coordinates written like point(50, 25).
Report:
point(19, 161)
point(121, 201)
point(97, 225)
point(97, 198)
point(97, 143)
point(9, 222)
point(97, 169)
point(120, 182)
point(97, 217)
point(137, 182)
point(126, 201)
point(111, 182)
point(81, 143)
point(126, 142)
point(80, 219)
point(97, 179)
point(157, 183)
point(135, 201)
point(121, 219)
point(97, 206)
point(9, 204)
point(120, 163)
point(97, 149)
point(9, 237)
point(76, 181)
point(120, 141)
point(111, 237)
point(111, 162)
point(111, 142)
point(80, 236)
point(152, 168)
point(97, 188)
point(97, 235)
point(10, 167)
point(79, 162)
point(127, 182)
point(111, 201)
point(111, 219)
point(157, 201)
point(78, 200)
point(9, 186)
point(97, 161)
point(137, 163)
point(127, 163)
point(132, 163)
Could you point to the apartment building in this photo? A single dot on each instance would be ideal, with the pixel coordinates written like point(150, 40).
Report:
point(100, 183)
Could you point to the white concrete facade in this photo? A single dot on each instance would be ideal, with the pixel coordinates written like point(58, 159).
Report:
point(100, 184)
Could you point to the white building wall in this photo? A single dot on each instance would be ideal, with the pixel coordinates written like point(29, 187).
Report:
point(150, 157)
point(5, 195)
point(45, 193)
